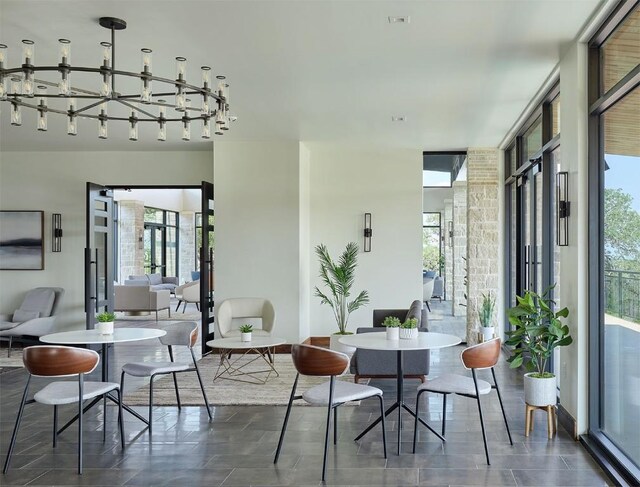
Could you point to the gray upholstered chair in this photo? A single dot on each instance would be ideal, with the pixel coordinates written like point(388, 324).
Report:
point(316, 361)
point(241, 308)
point(477, 357)
point(35, 316)
point(141, 298)
point(188, 293)
point(184, 333)
point(56, 361)
point(382, 364)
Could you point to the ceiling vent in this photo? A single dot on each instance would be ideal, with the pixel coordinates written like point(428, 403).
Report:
point(399, 118)
point(399, 20)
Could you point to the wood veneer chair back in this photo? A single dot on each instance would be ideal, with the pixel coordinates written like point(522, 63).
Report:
point(50, 361)
point(317, 361)
point(482, 356)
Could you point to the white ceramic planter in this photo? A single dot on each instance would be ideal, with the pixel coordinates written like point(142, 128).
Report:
point(334, 344)
point(245, 337)
point(393, 333)
point(105, 327)
point(408, 333)
point(487, 332)
point(539, 392)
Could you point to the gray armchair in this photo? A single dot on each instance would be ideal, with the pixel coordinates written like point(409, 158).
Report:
point(140, 298)
point(382, 365)
point(35, 317)
point(157, 282)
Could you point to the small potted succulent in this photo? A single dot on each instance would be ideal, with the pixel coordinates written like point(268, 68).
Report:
point(537, 331)
point(245, 333)
point(485, 315)
point(105, 323)
point(409, 329)
point(393, 327)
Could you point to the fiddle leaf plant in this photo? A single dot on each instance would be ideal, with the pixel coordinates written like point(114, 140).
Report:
point(339, 276)
point(537, 331)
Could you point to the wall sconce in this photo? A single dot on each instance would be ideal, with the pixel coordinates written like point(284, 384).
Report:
point(368, 232)
point(56, 232)
point(450, 233)
point(563, 208)
point(140, 239)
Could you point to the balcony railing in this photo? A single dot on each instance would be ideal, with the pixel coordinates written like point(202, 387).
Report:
point(622, 294)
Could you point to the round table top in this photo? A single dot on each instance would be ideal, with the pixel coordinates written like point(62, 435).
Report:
point(93, 336)
point(234, 343)
point(378, 341)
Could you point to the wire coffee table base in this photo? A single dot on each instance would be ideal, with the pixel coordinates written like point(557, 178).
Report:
point(399, 405)
point(238, 370)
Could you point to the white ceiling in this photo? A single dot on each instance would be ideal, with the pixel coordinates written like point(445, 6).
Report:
point(460, 72)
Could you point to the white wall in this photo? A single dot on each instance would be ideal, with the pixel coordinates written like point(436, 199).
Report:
point(257, 200)
point(433, 198)
point(55, 182)
point(346, 182)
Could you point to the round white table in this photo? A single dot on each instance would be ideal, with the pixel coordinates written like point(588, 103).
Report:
point(94, 337)
point(262, 346)
point(378, 341)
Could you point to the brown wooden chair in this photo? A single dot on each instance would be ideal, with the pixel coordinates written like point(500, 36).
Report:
point(57, 361)
point(477, 357)
point(316, 361)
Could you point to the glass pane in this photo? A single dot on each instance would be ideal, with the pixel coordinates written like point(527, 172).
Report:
point(621, 51)
point(153, 215)
point(431, 219)
point(532, 139)
point(538, 234)
point(147, 250)
point(512, 188)
point(198, 219)
point(526, 251)
point(436, 178)
point(621, 383)
point(171, 269)
point(171, 218)
point(555, 116)
point(157, 256)
point(431, 249)
point(557, 290)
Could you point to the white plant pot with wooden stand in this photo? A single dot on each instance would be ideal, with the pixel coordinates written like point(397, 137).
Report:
point(105, 327)
point(487, 332)
point(540, 392)
point(334, 344)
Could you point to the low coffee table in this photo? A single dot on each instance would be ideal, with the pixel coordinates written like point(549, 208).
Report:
point(236, 368)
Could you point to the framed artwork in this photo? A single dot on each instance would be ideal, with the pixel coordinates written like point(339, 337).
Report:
point(21, 240)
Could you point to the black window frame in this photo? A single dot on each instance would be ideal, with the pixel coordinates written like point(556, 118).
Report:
point(163, 226)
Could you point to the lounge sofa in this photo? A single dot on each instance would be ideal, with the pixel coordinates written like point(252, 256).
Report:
point(156, 281)
point(382, 365)
point(141, 298)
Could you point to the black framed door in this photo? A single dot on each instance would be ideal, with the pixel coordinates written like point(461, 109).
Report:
point(206, 257)
point(98, 252)
point(155, 249)
point(529, 230)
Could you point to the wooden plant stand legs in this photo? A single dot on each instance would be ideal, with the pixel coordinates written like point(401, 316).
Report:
point(551, 419)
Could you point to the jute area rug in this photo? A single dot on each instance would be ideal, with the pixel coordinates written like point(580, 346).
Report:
point(222, 392)
point(13, 362)
point(190, 315)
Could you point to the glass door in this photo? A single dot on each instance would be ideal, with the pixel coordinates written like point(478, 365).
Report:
point(530, 228)
point(154, 250)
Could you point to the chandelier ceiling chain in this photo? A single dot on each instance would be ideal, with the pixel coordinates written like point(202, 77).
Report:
point(17, 85)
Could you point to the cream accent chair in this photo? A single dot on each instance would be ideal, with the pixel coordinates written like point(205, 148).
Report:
point(427, 291)
point(239, 308)
point(141, 298)
point(188, 293)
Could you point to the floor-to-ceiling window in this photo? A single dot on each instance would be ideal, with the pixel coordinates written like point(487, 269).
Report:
point(431, 243)
point(614, 213)
point(160, 241)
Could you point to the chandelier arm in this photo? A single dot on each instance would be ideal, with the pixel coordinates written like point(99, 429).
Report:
point(80, 110)
point(60, 97)
point(133, 107)
point(18, 101)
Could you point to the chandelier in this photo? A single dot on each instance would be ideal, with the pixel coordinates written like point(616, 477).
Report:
point(20, 87)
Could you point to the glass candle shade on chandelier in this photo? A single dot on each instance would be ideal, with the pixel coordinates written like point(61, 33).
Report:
point(21, 88)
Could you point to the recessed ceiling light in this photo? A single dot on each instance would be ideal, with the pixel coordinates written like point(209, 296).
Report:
point(399, 20)
point(399, 118)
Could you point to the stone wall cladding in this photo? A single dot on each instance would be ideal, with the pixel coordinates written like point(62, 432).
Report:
point(130, 230)
point(482, 231)
point(187, 245)
point(447, 249)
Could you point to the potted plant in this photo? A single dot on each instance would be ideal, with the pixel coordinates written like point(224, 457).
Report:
point(409, 329)
point(538, 330)
point(485, 315)
point(245, 333)
point(393, 327)
point(339, 277)
point(105, 323)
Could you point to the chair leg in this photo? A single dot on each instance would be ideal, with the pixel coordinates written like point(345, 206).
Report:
point(335, 425)
point(504, 415)
point(175, 379)
point(55, 426)
point(198, 306)
point(384, 429)
point(156, 316)
point(120, 418)
point(9, 349)
point(484, 433)
point(326, 434)
point(80, 414)
point(151, 404)
point(179, 303)
point(527, 420)
point(184, 308)
point(415, 421)
point(104, 413)
point(286, 418)
point(204, 394)
point(14, 435)
point(444, 412)
point(550, 428)
point(428, 307)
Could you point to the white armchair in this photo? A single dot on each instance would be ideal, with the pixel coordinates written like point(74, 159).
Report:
point(239, 308)
point(35, 316)
point(188, 293)
point(427, 291)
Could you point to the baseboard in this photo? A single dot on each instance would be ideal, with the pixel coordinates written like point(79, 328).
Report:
point(567, 422)
point(318, 341)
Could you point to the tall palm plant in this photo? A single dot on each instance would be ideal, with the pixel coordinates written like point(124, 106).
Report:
point(338, 277)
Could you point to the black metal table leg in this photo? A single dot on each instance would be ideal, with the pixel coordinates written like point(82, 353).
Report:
point(399, 396)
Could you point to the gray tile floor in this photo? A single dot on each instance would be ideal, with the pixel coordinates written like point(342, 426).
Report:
point(237, 447)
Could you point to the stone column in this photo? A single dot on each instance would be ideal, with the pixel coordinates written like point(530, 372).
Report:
point(131, 233)
point(448, 249)
point(482, 231)
point(459, 248)
point(187, 245)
